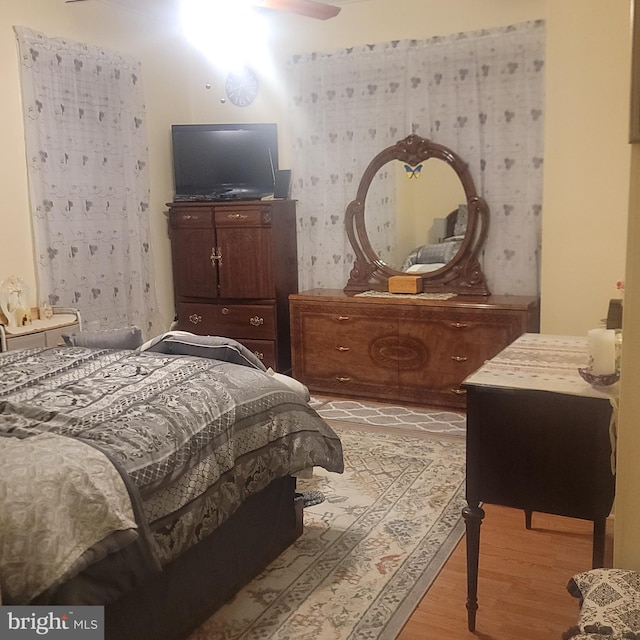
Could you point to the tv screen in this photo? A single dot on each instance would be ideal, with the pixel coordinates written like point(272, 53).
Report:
point(224, 161)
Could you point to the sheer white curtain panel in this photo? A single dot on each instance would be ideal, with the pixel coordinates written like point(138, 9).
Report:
point(479, 93)
point(87, 151)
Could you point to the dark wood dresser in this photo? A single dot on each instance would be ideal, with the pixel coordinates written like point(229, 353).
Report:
point(401, 349)
point(539, 438)
point(234, 266)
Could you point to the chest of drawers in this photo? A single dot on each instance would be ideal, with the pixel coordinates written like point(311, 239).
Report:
point(400, 349)
point(234, 265)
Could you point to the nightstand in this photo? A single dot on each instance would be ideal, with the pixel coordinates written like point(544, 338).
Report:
point(41, 332)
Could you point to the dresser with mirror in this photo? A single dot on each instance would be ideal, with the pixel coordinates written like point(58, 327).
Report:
point(365, 342)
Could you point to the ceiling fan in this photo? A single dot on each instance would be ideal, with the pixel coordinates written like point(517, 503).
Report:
point(308, 8)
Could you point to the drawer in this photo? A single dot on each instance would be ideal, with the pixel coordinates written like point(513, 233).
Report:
point(243, 217)
point(194, 218)
point(485, 328)
point(264, 349)
point(53, 337)
point(336, 352)
point(250, 321)
point(344, 332)
point(28, 341)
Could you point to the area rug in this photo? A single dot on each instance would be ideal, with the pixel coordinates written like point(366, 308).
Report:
point(369, 551)
point(385, 415)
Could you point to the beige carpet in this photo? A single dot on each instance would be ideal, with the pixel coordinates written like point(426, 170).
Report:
point(369, 552)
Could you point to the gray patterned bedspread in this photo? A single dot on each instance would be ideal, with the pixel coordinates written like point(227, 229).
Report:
point(191, 438)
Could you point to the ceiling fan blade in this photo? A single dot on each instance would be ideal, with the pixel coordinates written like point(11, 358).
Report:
point(308, 8)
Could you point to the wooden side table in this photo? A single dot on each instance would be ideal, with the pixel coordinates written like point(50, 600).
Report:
point(539, 438)
point(41, 332)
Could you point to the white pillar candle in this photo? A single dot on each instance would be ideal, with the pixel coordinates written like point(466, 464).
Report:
point(602, 351)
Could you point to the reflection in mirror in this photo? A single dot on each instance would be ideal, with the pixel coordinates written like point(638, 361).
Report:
point(411, 210)
point(417, 211)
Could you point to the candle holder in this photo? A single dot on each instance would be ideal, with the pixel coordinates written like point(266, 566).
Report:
point(598, 380)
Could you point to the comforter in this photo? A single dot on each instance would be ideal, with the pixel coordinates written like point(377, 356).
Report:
point(103, 448)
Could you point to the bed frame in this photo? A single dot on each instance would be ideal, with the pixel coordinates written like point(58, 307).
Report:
point(191, 588)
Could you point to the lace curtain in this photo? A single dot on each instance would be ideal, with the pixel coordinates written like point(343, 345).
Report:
point(479, 93)
point(87, 165)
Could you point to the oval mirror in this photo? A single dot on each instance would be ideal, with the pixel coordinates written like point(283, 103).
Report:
point(416, 221)
point(417, 212)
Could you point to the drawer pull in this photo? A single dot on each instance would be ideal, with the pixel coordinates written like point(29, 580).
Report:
point(256, 321)
point(343, 349)
point(459, 358)
point(194, 318)
point(459, 325)
point(225, 311)
point(459, 392)
point(343, 379)
point(216, 256)
point(258, 355)
point(342, 318)
point(237, 216)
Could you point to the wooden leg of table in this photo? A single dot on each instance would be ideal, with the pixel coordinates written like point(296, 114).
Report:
point(599, 532)
point(473, 519)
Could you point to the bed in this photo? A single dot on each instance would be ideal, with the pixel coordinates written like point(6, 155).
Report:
point(154, 481)
point(432, 256)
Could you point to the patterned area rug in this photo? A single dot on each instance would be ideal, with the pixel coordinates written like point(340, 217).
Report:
point(368, 553)
point(384, 415)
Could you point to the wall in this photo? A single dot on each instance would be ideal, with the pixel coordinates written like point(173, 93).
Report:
point(627, 518)
point(586, 161)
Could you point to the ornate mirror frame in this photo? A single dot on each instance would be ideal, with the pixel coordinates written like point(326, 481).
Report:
point(462, 274)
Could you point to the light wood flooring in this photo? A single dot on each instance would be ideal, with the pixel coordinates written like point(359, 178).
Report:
point(522, 583)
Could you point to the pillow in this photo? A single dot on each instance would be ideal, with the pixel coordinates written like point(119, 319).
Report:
point(609, 604)
point(439, 253)
point(292, 383)
point(462, 219)
point(189, 344)
point(126, 338)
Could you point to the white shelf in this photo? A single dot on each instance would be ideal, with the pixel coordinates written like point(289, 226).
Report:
point(49, 328)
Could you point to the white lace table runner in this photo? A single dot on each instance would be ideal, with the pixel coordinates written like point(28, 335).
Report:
point(541, 363)
point(423, 296)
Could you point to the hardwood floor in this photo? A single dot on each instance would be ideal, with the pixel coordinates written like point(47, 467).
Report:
point(522, 583)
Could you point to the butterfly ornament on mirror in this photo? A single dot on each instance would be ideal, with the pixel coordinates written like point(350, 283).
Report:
point(413, 172)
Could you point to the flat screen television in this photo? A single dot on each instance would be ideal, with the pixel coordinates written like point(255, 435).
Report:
point(224, 161)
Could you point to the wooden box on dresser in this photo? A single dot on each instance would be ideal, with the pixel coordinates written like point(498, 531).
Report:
point(401, 349)
point(234, 266)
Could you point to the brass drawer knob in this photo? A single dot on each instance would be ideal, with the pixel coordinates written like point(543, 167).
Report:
point(343, 379)
point(237, 216)
point(225, 311)
point(459, 325)
point(459, 392)
point(342, 318)
point(256, 321)
point(343, 349)
point(459, 358)
point(194, 318)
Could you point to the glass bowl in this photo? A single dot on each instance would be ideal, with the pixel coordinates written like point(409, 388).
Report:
point(598, 380)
